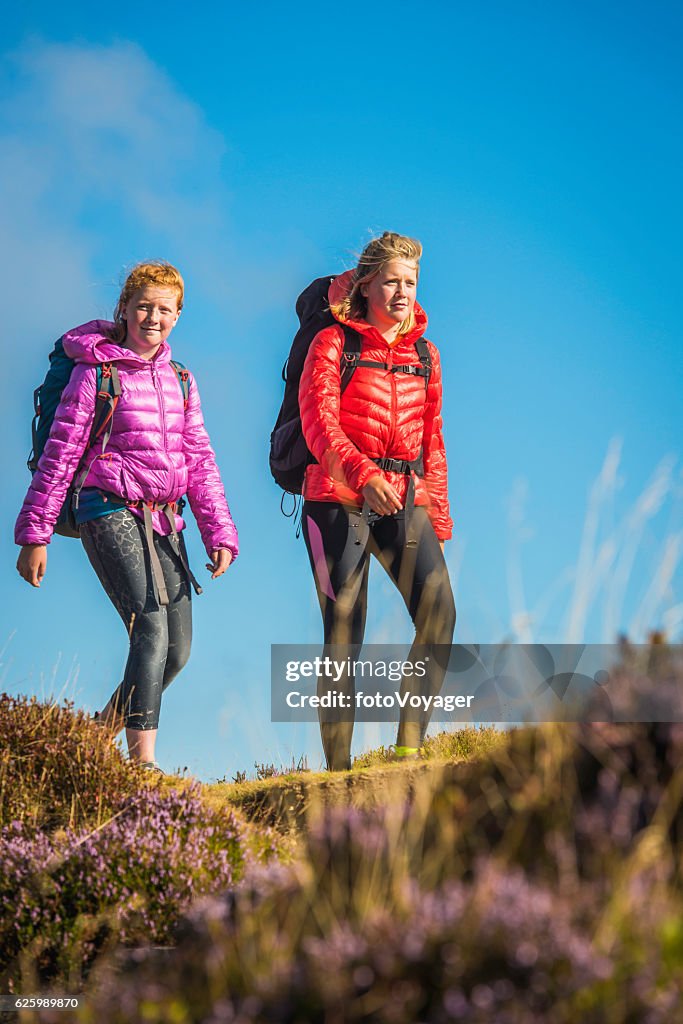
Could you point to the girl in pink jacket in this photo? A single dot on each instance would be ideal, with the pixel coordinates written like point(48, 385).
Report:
point(127, 510)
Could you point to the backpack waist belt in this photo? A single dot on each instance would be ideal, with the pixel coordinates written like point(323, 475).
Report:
point(404, 466)
point(155, 506)
point(407, 467)
point(169, 509)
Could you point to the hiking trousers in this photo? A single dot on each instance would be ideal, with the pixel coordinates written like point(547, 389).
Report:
point(160, 635)
point(340, 542)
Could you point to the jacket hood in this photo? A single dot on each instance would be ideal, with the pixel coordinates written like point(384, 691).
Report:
point(91, 343)
point(340, 288)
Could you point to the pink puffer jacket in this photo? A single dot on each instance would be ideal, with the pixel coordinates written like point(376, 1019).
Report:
point(157, 451)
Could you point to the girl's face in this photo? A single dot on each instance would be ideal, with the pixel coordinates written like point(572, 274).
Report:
point(150, 314)
point(391, 294)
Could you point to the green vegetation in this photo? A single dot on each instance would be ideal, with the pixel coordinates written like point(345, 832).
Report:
point(461, 745)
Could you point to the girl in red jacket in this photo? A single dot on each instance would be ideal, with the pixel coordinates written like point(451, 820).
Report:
point(127, 511)
point(379, 485)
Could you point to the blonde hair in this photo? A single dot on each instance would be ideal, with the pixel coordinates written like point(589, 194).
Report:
point(155, 272)
point(390, 246)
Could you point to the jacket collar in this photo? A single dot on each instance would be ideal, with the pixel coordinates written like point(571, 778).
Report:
point(91, 343)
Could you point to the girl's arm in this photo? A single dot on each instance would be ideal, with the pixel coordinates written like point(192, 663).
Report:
point(434, 453)
point(60, 459)
point(204, 486)
point(319, 399)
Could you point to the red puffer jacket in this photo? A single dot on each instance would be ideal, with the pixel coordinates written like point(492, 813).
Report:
point(380, 415)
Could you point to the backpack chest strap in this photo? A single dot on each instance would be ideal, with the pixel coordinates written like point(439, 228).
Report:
point(414, 369)
point(411, 368)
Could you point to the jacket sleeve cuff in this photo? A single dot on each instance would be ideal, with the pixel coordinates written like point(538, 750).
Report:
point(443, 525)
point(29, 535)
point(230, 546)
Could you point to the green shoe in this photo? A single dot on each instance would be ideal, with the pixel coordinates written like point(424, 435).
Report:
point(396, 753)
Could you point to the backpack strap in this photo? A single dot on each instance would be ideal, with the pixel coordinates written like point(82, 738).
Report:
point(183, 375)
point(108, 394)
point(169, 511)
point(350, 358)
point(32, 459)
point(422, 349)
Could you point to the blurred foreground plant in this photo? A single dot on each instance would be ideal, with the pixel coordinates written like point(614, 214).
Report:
point(541, 884)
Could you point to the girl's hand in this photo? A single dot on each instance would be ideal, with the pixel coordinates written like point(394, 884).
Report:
point(381, 496)
point(32, 563)
point(220, 560)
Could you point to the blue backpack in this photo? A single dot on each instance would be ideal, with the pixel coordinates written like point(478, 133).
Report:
point(46, 398)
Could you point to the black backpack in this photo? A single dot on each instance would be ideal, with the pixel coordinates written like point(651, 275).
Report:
point(289, 454)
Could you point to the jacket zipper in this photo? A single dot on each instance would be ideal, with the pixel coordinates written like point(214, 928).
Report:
point(394, 406)
point(160, 399)
point(392, 411)
point(158, 387)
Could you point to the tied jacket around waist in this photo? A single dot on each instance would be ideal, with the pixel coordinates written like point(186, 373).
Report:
point(158, 450)
point(380, 415)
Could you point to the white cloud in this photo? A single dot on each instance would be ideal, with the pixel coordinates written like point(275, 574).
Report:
point(105, 161)
point(98, 141)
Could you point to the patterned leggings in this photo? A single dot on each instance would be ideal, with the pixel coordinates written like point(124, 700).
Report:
point(160, 636)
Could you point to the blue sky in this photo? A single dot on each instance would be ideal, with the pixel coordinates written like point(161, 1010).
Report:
point(537, 155)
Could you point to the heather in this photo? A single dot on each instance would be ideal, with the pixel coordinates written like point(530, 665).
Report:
point(528, 877)
point(114, 863)
point(57, 768)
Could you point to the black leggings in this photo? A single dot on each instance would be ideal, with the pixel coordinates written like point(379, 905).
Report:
point(339, 543)
point(160, 636)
